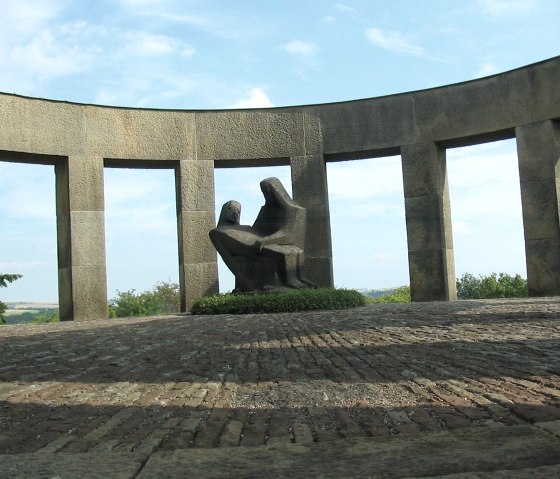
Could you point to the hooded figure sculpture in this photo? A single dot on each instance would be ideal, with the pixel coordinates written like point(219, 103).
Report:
point(270, 254)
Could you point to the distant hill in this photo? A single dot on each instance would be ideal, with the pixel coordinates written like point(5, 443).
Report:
point(21, 312)
point(376, 293)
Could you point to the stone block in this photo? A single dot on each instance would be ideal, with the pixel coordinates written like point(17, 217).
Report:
point(195, 185)
point(544, 79)
point(309, 180)
point(89, 291)
point(543, 266)
point(39, 126)
point(197, 280)
point(194, 227)
point(79, 184)
point(366, 125)
point(424, 169)
point(122, 133)
point(320, 271)
point(82, 293)
point(318, 233)
point(472, 108)
point(313, 136)
point(540, 209)
point(430, 272)
point(538, 150)
point(81, 239)
point(231, 135)
point(424, 223)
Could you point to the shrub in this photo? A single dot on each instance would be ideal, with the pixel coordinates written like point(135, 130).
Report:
point(4, 280)
point(492, 286)
point(46, 318)
point(399, 295)
point(164, 298)
point(297, 300)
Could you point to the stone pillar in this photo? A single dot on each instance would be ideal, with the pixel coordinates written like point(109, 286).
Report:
point(538, 150)
point(428, 223)
point(80, 218)
point(198, 264)
point(309, 186)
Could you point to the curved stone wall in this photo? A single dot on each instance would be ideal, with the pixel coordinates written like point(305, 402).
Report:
point(80, 140)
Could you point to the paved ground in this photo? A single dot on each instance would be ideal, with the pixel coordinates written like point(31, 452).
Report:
point(141, 396)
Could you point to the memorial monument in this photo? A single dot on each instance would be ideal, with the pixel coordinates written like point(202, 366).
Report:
point(268, 256)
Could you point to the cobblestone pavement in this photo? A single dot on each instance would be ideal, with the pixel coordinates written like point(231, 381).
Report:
point(178, 382)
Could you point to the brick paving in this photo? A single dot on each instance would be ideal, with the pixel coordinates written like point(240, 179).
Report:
point(147, 385)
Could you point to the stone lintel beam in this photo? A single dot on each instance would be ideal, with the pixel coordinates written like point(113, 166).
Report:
point(198, 265)
point(538, 150)
point(82, 275)
point(428, 223)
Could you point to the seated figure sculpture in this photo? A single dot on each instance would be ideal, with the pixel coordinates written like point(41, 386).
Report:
point(269, 255)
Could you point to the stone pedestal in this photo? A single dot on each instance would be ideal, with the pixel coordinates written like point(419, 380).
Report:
point(198, 266)
point(309, 187)
point(428, 223)
point(82, 276)
point(538, 149)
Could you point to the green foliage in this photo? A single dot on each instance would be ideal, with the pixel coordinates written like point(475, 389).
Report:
point(492, 286)
point(8, 278)
point(4, 280)
point(41, 318)
point(399, 295)
point(297, 300)
point(164, 298)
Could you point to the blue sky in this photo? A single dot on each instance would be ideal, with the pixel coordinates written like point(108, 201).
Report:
point(204, 54)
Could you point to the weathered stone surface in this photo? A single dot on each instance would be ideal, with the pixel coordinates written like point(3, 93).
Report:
point(70, 466)
point(543, 266)
point(47, 127)
point(255, 134)
point(472, 108)
point(195, 185)
point(310, 189)
point(538, 145)
point(462, 386)
point(410, 455)
point(133, 134)
point(428, 223)
point(202, 280)
point(367, 125)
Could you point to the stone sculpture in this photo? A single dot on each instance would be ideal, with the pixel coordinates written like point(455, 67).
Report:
point(268, 256)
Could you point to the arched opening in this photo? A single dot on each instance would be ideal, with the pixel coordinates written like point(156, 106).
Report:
point(28, 233)
point(486, 209)
point(368, 223)
point(140, 228)
point(242, 184)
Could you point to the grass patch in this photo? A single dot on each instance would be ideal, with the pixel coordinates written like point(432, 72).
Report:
point(297, 300)
point(399, 295)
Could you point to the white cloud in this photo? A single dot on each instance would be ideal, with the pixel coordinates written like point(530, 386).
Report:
point(147, 44)
point(48, 57)
point(300, 47)
point(486, 69)
point(507, 7)
point(393, 41)
point(345, 8)
point(257, 99)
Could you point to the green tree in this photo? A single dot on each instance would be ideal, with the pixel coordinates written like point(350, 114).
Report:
point(46, 317)
point(4, 280)
point(164, 298)
point(495, 285)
